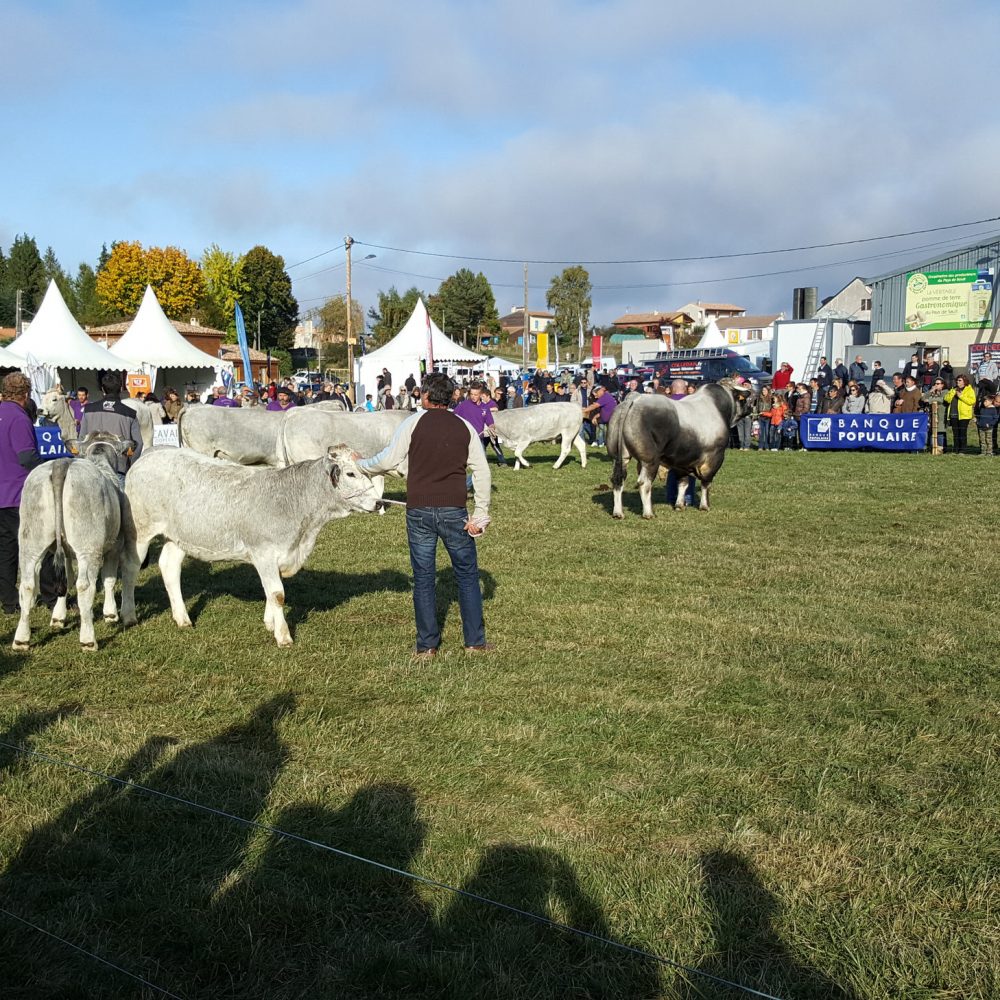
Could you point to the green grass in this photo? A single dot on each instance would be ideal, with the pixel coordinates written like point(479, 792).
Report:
point(760, 742)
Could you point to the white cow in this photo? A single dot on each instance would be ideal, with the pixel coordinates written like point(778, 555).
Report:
point(77, 504)
point(248, 435)
point(308, 431)
point(543, 422)
point(220, 512)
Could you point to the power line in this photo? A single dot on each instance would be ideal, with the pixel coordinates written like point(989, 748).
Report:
point(423, 879)
point(678, 260)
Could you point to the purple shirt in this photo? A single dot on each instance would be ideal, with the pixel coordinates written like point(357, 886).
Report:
point(275, 405)
point(224, 401)
point(606, 406)
point(478, 414)
point(77, 408)
point(676, 395)
point(16, 435)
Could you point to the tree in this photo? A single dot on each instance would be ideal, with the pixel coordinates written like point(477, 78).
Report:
point(90, 310)
point(26, 272)
point(223, 275)
point(174, 277)
point(569, 298)
point(332, 334)
point(267, 290)
point(54, 272)
point(463, 303)
point(392, 312)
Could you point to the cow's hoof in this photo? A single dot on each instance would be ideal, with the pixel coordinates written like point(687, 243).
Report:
point(285, 641)
point(184, 623)
point(130, 622)
point(91, 647)
point(20, 647)
point(57, 623)
point(618, 516)
point(647, 517)
point(111, 618)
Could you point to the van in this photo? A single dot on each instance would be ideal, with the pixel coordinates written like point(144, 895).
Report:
point(708, 365)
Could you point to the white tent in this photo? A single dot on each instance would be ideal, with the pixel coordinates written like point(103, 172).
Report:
point(500, 365)
point(712, 337)
point(54, 345)
point(8, 360)
point(152, 345)
point(404, 353)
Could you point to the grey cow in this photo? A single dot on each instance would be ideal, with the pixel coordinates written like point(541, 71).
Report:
point(688, 435)
point(220, 512)
point(544, 422)
point(78, 504)
point(308, 431)
point(248, 435)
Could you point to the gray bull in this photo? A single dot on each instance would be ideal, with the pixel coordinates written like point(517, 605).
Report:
point(689, 436)
point(219, 512)
point(308, 431)
point(247, 436)
point(544, 422)
point(77, 504)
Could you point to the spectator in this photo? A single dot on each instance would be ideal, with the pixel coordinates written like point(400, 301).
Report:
point(855, 402)
point(762, 406)
point(191, 397)
point(986, 423)
point(857, 369)
point(478, 413)
point(947, 374)
point(840, 371)
point(282, 401)
point(803, 401)
point(961, 401)
point(340, 395)
point(815, 395)
point(172, 404)
point(832, 401)
point(931, 370)
point(878, 373)
point(910, 396)
point(933, 400)
point(775, 415)
point(880, 399)
point(369, 405)
point(155, 408)
point(898, 385)
point(604, 405)
point(514, 399)
point(112, 415)
point(77, 404)
point(219, 397)
point(824, 373)
point(782, 376)
point(913, 367)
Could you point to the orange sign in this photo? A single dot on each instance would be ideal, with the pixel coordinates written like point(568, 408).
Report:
point(138, 383)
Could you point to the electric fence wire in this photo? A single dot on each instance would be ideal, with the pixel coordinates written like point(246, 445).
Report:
point(656, 260)
point(90, 954)
point(423, 879)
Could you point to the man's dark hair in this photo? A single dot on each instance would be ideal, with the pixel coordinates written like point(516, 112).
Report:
point(438, 388)
point(111, 383)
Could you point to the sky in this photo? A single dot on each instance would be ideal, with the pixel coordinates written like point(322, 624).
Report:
point(565, 132)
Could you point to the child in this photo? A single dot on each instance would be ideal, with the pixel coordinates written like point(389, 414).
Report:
point(368, 403)
point(987, 422)
point(778, 412)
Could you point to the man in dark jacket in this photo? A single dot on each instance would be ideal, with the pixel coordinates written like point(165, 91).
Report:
point(111, 415)
point(824, 373)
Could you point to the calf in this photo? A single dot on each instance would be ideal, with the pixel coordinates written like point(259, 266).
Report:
point(544, 422)
point(219, 512)
point(77, 503)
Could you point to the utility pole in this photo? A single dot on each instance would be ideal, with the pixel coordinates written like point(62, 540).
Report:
point(17, 314)
point(348, 243)
point(524, 346)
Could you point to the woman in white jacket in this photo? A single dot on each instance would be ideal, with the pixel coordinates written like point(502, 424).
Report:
point(879, 399)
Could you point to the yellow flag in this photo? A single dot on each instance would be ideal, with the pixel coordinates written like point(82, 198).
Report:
point(542, 349)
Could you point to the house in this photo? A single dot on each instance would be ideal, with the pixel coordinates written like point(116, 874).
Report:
point(748, 329)
point(853, 301)
point(203, 337)
point(513, 323)
point(704, 312)
point(652, 323)
point(258, 362)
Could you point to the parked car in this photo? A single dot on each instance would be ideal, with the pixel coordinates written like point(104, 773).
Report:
point(708, 365)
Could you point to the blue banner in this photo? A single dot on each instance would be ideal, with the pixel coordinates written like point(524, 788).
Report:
point(241, 338)
point(884, 431)
point(50, 442)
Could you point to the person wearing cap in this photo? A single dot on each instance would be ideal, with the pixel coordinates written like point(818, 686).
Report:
point(782, 376)
point(438, 447)
point(604, 405)
point(283, 400)
point(111, 415)
point(18, 456)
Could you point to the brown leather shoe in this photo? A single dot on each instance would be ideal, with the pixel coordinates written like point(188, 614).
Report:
point(425, 654)
point(487, 647)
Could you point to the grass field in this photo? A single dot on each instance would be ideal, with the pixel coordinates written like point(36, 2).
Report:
point(760, 742)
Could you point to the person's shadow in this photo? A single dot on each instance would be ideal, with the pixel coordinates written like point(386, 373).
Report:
point(26, 726)
point(747, 949)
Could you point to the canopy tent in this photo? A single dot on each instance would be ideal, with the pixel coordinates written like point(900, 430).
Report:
point(153, 345)
point(500, 365)
point(712, 337)
point(8, 360)
point(403, 355)
point(54, 345)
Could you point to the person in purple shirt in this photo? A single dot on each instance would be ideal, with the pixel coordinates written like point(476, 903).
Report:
point(77, 404)
point(283, 401)
point(605, 404)
point(221, 399)
point(478, 411)
point(18, 456)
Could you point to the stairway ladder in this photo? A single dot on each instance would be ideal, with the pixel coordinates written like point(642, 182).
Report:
point(816, 349)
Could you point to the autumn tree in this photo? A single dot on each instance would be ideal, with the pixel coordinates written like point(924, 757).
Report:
point(569, 298)
point(174, 277)
point(267, 290)
point(222, 272)
point(392, 312)
point(463, 303)
point(25, 271)
point(331, 319)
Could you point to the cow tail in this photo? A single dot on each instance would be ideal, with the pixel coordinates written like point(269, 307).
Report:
point(59, 470)
point(616, 440)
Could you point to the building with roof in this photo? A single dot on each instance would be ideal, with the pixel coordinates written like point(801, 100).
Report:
point(853, 302)
point(204, 338)
point(748, 329)
point(704, 312)
point(652, 324)
point(946, 303)
point(513, 323)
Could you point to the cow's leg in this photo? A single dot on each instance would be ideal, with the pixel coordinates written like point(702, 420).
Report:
point(704, 497)
point(581, 447)
point(565, 444)
point(30, 568)
point(682, 489)
point(519, 455)
point(274, 607)
point(171, 558)
point(132, 557)
point(109, 577)
point(87, 569)
point(619, 486)
point(647, 474)
point(59, 611)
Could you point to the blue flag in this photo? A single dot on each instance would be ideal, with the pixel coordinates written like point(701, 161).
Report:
point(241, 337)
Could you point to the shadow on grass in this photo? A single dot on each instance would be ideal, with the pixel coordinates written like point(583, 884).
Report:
point(747, 948)
point(26, 726)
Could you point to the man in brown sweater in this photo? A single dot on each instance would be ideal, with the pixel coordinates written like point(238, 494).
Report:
point(437, 448)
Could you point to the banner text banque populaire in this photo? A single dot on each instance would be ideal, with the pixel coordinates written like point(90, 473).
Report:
point(845, 431)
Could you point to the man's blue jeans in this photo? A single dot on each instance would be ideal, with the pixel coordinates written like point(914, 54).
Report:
point(424, 526)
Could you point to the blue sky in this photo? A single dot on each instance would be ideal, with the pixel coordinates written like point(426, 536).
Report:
point(559, 131)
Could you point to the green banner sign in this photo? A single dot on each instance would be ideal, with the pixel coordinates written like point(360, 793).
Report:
point(948, 300)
